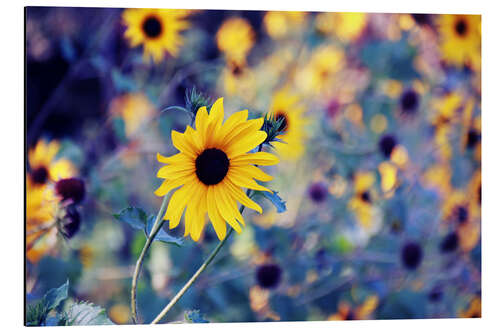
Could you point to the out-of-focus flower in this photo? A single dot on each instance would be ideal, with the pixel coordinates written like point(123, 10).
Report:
point(286, 107)
point(119, 314)
point(238, 80)
point(438, 177)
point(474, 309)
point(235, 38)
point(461, 40)
point(44, 166)
point(362, 202)
point(279, 24)
point(318, 192)
point(134, 108)
point(212, 166)
point(346, 26)
point(318, 74)
point(388, 174)
point(41, 211)
point(157, 30)
point(361, 312)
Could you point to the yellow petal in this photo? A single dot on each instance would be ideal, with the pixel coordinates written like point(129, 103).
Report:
point(252, 171)
point(246, 144)
point(225, 208)
point(238, 194)
point(240, 180)
point(180, 142)
point(213, 214)
point(259, 158)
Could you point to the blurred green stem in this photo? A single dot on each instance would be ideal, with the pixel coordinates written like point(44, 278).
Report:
point(195, 275)
point(156, 227)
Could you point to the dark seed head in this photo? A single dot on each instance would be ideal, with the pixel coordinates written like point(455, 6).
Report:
point(473, 137)
point(461, 27)
point(436, 294)
point(40, 175)
point(318, 192)
point(411, 255)
point(366, 197)
point(449, 243)
point(71, 222)
point(462, 214)
point(268, 276)
point(386, 145)
point(212, 166)
point(152, 27)
point(409, 102)
point(71, 189)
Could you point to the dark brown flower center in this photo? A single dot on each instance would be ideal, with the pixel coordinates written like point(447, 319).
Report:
point(212, 166)
point(461, 27)
point(40, 175)
point(152, 27)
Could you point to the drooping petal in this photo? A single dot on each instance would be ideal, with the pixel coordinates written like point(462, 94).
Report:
point(239, 195)
point(213, 214)
point(225, 208)
point(240, 180)
point(252, 171)
point(246, 144)
point(180, 142)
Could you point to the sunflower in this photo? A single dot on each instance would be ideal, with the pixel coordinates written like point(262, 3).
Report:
point(362, 201)
point(212, 166)
point(44, 166)
point(158, 30)
point(286, 106)
point(235, 38)
point(461, 40)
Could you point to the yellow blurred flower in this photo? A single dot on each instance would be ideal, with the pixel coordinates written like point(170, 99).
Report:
point(362, 202)
point(134, 108)
point(119, 314)
point(361, 312)
point(346, 26)
point(41, 212)
point(319, 73)
point(388, 174)
point(461, 40)
point(157, 30)
point(287, 106)
point(235, 38)
point(279, 24)
point(474, 309)
point(238, 80)
point(45, 167)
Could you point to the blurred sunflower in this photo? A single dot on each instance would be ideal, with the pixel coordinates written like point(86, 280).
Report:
point(346, 26)
point(41, 211)
point(212, 166)
point(318, 73)
point(158, 30)
point(362, 202)
point(235, 38)
point(286, 107)
point(238, 80)
point(44, 166)
point(134, 108)
point(461, 39)
point(278, 24)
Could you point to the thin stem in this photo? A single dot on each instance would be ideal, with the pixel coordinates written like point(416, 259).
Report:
point(195, 276)
point(156, 227)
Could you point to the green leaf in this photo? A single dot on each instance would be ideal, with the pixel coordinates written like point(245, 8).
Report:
point(194, 316)
point(162, 235)
point(135, 217)
point(37, 313)
point(275, 199)
point(55, 296)
point(86, 314)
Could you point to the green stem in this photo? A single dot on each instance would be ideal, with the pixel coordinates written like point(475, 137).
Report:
point(195, 276)
point(156, 227)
